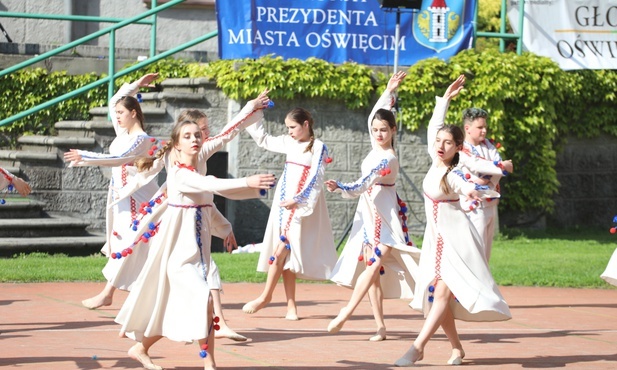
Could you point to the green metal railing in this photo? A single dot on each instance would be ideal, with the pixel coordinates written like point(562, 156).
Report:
point(112, 74)
point(502, 34)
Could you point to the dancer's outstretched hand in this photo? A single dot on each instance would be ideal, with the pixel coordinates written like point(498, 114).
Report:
point(455, 87)
point(396, 80)
point(262, 181)
point(331, 185)
point(22, 187)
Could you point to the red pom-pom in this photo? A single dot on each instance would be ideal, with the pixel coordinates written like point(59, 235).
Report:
point(405, 229)
point(388, 170)
point(144, 239)
point(217, 327)
point(613, 230)
point(204, 346)
point(370, 263)
point(150, 153)
point(383, 172)
point(467, 176)
point(163, 142)
point(410, 244)
point(498, 145)
point(124, 253)
point(270, 262)
point(158, 200)
point(329, 160)
point(361, 258)
point(216, 319)
point(404, 218)
point(152, 139)
point(129, 250)
point(115, 233)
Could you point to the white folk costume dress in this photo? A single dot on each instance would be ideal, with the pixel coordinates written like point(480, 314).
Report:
point(170, 296)
point(379, 219)
point(123, 150)
point(452, 251)
point(610, 274)
point(307, 227)
point(483, 215)
point(158, 204)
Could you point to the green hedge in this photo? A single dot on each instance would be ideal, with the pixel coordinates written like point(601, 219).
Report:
point(532, 103)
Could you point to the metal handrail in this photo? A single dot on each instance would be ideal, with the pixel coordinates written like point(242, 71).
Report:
point(112, 74)
point(503, 35)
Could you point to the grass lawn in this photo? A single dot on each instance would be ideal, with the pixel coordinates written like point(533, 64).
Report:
point(572, 258)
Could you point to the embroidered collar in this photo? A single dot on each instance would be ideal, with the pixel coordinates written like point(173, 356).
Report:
point(188, 167)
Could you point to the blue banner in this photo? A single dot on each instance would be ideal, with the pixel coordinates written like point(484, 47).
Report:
point(343, 30)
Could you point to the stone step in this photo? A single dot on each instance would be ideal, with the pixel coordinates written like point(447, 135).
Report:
point(88, 128)
point(84, 245)
point(188, 85)
point(42, 227)
point(17, 156)
point(17, 207)
point(50, 144)
point(151, 114)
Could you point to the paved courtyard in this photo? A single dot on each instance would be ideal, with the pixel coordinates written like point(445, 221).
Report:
point(44, 326)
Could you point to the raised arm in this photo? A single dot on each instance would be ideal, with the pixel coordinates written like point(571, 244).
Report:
point(439, 113)
point(387, 100)
point(128, 90)
point(251, 113)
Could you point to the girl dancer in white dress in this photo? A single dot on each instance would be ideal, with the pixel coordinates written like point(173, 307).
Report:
point(131, 142)
point(454, 280)
point(171, 297)
point(610, 273)
point(251, 113)
point(298, 241)
point(379, 258)
point(10, 182)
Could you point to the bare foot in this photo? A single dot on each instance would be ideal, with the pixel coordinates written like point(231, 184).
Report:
point(379, 336)
point(410, 357)
point(457, 357)
point(229, 334)
point(138, 353)
point(337, 324)
point(255, 305)
point(97, 301)
point(292, 316)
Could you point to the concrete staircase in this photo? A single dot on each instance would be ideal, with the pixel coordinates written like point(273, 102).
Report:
point(66, 210)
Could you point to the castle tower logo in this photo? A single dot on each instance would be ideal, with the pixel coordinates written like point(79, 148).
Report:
point(438, 24)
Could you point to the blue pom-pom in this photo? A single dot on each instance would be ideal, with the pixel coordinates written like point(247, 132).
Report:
point(283, 238)
point(135, 222)
point(2, 201)
point(288, 246)
point(148, 209)
point(272, 258)
point(151, 203)
point(431, 299)
point(615, 219)
point(377, 252)
point(270, 104)
point(263, 192)
point(134, 227)
point(10, 187)
point(373, 259)
point(147, 235)
point(152, 226)
point(431, 288)
point(139, 99)
point(203, 354)
point(404, 209)
point(496, 163)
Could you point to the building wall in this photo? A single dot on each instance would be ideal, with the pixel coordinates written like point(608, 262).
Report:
point(174, 26)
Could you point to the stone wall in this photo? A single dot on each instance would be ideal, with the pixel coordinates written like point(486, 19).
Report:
point(586, 170)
